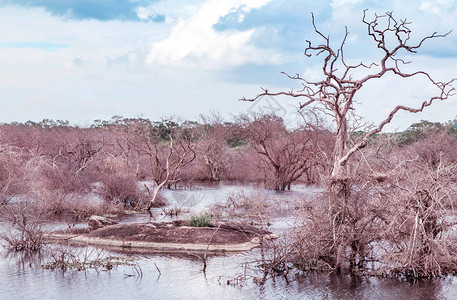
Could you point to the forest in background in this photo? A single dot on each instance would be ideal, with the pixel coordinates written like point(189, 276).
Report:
point(110, 158)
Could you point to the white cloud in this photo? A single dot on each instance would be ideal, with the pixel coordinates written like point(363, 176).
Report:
point(339, 3)
point(143, 13)
point(37, 84)
point(194, 43)
point(437, 6)
point(172, 9)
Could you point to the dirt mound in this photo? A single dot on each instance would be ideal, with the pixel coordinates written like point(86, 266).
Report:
point(169, 237)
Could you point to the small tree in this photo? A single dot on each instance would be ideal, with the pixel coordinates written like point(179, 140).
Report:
point(283, 155)
point(167, 146)
point(213, 146)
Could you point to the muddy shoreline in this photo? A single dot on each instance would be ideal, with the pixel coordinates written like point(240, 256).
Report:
point(168, 237)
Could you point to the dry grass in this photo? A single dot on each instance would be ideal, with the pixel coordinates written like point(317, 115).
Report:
point(66, 257)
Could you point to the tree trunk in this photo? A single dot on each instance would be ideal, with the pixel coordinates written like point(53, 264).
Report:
point(340, 149)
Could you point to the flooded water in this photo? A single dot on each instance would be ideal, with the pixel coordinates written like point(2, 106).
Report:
point(179, 277)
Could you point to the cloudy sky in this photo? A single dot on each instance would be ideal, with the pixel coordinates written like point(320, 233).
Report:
point(81, 60)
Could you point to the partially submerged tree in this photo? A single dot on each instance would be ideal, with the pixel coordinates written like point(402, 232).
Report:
point(335, 96)
point(283, 155)
point(167, 146)
point(213, 146)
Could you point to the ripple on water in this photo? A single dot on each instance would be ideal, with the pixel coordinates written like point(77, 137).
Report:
point(181, 277)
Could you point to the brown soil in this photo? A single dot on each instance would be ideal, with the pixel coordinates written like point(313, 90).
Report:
point(223, 236)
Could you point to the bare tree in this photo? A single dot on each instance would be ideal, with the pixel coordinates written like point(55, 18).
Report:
point(213, 146)
point(168, 147)
point(284, 155)
point(71, 151)
point(335, 94)
point(415, 185)
point(420, 213)
point(12, 161)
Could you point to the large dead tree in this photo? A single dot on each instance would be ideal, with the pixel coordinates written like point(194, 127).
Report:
point(335, 93)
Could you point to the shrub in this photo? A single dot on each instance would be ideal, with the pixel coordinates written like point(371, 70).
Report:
point(23, 230)
point(202, 220)
point(69, 257)
point(119, 182)
point(247, 206)
point(12, 162)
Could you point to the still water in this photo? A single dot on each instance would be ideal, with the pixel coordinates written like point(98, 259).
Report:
point(180, 277)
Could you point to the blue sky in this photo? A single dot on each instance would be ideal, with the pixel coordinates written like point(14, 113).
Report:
point(82, 60)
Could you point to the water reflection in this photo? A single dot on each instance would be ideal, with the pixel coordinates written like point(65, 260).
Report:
point(181, 277)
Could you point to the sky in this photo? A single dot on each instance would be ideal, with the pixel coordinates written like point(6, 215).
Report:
point(82, 60)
